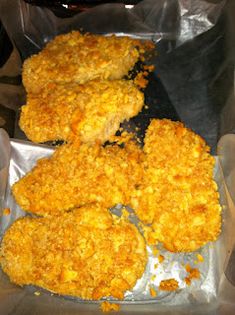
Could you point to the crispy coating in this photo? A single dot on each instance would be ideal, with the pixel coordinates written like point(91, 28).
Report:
point(178, 198)
point(76, 175)
point(74, 57)
point(86, 253)
point(91, 112)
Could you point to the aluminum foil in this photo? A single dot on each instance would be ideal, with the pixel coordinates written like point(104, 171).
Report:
point(204, 290)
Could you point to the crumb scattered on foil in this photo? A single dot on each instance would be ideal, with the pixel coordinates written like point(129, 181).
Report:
point(193, 273)
point(200, 258)
point(153, 292)
point(169, 285)
point(6, 211)
point(161, 258)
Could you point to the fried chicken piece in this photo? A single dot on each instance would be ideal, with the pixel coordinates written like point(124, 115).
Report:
point(86, 253)
point(91, 112)
point(75, 57)
point(76, 175)
point(178, 198)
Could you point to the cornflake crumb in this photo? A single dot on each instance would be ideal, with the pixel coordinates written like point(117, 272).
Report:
point(169, 285)
point(6, 211)
point(187, 280)
point(107, 307)
point(153, 292)
point(153, 277)
point(149, 68)
point(140, 80)
point(200, 258)
point(155, 251)
point(161, 258)
point(37, 293)
point(193, 273)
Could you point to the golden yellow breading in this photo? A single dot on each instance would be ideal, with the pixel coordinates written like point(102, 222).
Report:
point(74, 57)
point(178, 197)
point(91, 112)
point(85, 253)
point(76, 175)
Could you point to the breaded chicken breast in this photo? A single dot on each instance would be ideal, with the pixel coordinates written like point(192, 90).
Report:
point(86, 253)
point(75, 57)
point(91, 112)
point(76, 175)
point(178, 197)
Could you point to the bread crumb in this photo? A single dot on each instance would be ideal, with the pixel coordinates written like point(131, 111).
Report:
point(193, 273)
point(37, 293)
point(187, 280)
point(6, 211)
point(155, 251)
point(161, 258)
point(187, 267)
point(149, 68)
point(140, 80)
point(169, 285)
point(200, 258)
point(153, 292)
point(107, 307)
point(153, 277)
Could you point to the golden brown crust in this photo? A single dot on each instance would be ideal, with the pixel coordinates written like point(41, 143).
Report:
point(77, 175)
point(178, 197)
point(74, 57)
point(85, 253)
point(91, 112)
